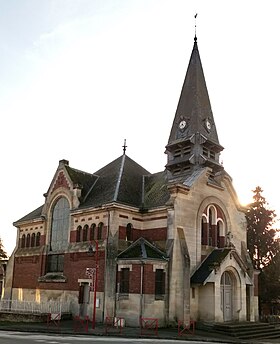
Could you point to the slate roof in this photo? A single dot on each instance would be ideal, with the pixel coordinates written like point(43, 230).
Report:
point(122, 180)
point(31, 216)
point(84, 179)
point(119, 181)
point(155, 192)
point(214, 259)
point(142, 249)
point(194, 103)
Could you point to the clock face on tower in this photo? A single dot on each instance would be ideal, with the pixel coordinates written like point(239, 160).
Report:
point(182, 125)
point(208, 124)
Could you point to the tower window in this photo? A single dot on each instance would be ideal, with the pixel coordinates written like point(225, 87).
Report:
point(177, 153)
point(208, 153)
point(205, 151)
point(187, 150)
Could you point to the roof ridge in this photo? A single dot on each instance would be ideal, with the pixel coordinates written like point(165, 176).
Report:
point(80, 171)
point(119, 178)
point(90, 189)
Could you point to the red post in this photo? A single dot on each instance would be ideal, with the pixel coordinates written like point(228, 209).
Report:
point(94, 282)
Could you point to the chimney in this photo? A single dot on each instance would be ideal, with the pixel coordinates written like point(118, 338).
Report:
point(63, 162)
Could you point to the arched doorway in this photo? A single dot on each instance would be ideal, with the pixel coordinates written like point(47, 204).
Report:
point(226, 288)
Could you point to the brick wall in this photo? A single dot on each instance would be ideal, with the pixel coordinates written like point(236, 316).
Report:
point(28, 269)
point(149, 279)
point(135, 279)
point(154, 234)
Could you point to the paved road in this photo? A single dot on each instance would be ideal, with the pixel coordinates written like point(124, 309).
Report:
point(9, 337)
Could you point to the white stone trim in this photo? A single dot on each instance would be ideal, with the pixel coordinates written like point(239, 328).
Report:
point(124, 266)
point(84, 280)
point(161, 266)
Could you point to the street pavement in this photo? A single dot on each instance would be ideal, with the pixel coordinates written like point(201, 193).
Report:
point(71, 328)
point(8, 337)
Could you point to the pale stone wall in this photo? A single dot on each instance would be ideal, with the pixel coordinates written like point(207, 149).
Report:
point(7, 292)
point(176, 287)
point(206, 302)
point(194, 309)
point(130, 309)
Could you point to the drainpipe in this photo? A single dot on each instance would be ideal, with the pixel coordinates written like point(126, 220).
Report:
point(105, 262)
point(141, 288)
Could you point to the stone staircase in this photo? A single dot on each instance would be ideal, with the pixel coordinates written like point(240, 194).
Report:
point(247, 330)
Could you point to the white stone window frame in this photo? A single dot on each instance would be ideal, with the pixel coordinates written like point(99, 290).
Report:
point(125, 266)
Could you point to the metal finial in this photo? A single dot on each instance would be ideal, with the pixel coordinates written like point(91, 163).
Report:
point(195, 39)
point(124, 146)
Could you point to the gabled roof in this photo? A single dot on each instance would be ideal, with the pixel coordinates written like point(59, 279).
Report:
point(122, 181)
point(142, 249)
point(214, 260)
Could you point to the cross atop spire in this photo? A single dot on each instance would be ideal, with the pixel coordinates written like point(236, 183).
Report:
point(195, 16)
point(124, 146)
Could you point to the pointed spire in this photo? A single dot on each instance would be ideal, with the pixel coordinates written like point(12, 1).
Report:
point(194, 103)
point(193, 139)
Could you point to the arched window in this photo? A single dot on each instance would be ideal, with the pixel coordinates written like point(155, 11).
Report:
point(85, 233)
point(78, 233)
point(32, 239)
point(220, 234)
point(28, 240)
point(38, 239)
point(60, 225)
point(23, 243)
point(99, 231)
point(211, 239)
point(204, 231)
point(213, 226)
point(129, 236)
point(91, 232)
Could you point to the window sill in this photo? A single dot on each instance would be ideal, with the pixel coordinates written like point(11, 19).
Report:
point(123, 296)
point(53, 277)
point(159, 297)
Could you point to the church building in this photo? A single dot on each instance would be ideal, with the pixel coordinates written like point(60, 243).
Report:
point(124, 242)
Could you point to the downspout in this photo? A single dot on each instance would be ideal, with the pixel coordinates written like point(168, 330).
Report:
point(105, 263)
point(141, 290)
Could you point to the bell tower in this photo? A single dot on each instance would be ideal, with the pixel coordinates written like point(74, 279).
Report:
point(193, 142)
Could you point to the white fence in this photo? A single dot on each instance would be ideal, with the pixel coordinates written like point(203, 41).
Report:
point(16, 306)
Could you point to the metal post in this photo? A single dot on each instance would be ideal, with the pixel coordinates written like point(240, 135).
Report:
point(93, 274)
point(94, 280)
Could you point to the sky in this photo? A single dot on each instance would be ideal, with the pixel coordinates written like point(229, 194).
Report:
point(77, 77)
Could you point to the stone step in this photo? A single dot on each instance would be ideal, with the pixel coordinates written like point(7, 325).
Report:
point(247, 330)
